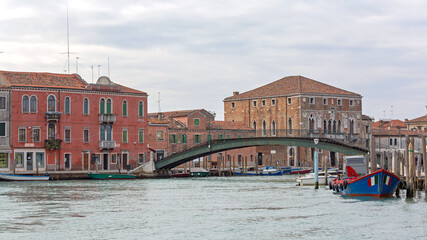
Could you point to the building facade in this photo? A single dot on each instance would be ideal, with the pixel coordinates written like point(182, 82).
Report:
point(297, 106)
point(60, 122)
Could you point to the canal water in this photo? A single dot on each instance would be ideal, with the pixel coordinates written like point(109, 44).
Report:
point(201, 208)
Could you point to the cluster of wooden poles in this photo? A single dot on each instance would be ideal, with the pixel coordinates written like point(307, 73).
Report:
point(402, 164)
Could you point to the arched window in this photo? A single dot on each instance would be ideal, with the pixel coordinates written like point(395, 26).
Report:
point(351, 126)
point(264, 132)
point(102, 132)
point(325, 126)
point(109, 107)
point(51, 131)
point(334, 127)
point(51, 103)
point(25, 104)
point(290, 125)
point(329, 126)
point(67, 107)
point(273, 128)
point(254, 125)
point(311, 123)
point(86, 106)
point(140, 109)
point(102, 106)
point(339, 126)
point(109, 128)
point(33, 104)
point(125, 108)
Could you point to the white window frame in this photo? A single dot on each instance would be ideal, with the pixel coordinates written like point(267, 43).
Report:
point(339, 102)
point(273, 102)
point(65, 134)
point(254, 103)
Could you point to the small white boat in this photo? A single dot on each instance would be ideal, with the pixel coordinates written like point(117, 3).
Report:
point(308, 179)
point(12, 177)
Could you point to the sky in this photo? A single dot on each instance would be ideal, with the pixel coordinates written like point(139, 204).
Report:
point(195, 53)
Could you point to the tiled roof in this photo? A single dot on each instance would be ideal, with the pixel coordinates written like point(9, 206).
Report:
point(180, 113)
point(229, 125)
point(47, 80)
point(392, 124)
point(422, 119)
point(291, 85)
point(157, 121)
point(394, 132)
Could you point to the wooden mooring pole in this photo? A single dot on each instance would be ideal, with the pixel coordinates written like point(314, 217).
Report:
point(373, 159)
point(410, 183)
point(423, 146)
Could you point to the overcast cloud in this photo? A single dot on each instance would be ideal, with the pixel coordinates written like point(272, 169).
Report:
point(196, 53)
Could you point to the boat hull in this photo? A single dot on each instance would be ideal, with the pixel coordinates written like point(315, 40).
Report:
point(301, 171)
point(379, 184)
point(11, 177)
point(310, 180)
point(104, 176)
point(199, 174)
point(181, 175)
point(276, 173)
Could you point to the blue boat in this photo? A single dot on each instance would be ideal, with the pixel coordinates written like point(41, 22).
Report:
point(378, 184)
point(266, 171)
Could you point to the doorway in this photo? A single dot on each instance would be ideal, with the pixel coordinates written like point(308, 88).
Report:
point(125, 160)
point(105, 161)
point(332, 158)
point(30, 161)
point(85, 161)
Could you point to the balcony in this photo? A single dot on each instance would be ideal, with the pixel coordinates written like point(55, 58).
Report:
point(107, 144)
point(52, 144)
point(107, 118)
point(52, 116)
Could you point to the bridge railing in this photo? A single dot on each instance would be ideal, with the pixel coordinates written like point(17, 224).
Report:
point(346, 138)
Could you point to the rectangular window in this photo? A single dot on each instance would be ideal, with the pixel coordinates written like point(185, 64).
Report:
point(2, 129)
point(22, 135)
point(86, 135)
point(19, 159)
point(125, 136)
point(209, 137)
point(197, 138)
point(3, 160)
point(219, 136)
point(141, 136)
point(2, 103)
point(228, 136)
point(196, 122)
point(36, 134)
point(351, 103)
point(263, 103)
point(173, 138)
point(160, 135)
point(325, 101)
point(141, 158)
point(339, 102)
point(232, 105)
point(254, 103)
point(289, 100)
point(395, 142)
point(273, 102)
point(183, 138)
point(67, 135)
point(312, 101)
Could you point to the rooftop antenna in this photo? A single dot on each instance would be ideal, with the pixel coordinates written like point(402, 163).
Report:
point(68, 42)
point(108, 67)
point(158, 105)
point(77, 65)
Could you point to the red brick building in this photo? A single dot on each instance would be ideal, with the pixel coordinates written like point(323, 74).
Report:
point(61, 122)
point(297, 106)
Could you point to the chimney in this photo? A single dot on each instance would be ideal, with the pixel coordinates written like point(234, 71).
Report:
point(235, 93)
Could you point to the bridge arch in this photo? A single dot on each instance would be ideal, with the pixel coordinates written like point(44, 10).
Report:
point(216, 146)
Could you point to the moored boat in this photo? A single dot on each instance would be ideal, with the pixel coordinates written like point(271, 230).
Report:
point(105, 176)
point(309, 178)
point(13, 177)
point(199, 172)
point(381, 183)
point(299, 171)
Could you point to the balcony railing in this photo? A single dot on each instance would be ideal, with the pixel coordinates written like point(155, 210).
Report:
point(107, 144)
point(52, 144)
point(107, 118)
point(52, 116)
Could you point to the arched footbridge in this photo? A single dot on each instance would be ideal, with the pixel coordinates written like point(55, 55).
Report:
point(221, 145)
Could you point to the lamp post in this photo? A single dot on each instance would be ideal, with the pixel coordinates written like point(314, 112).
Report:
point(316, 165)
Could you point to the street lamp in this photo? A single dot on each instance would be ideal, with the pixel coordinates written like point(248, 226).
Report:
point(316, 165)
